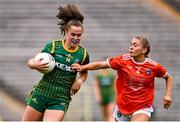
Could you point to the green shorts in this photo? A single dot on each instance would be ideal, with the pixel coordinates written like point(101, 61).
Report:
point(107, 99)
point(41, 103)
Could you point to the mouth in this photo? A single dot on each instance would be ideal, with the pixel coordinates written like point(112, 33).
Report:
point(131, 52)
point(74, 41)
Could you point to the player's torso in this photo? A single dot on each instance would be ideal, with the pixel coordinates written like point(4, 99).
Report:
point(105, 80)
point(57, 83)
point(64, 58)
point(135, 84)
point(137, 76)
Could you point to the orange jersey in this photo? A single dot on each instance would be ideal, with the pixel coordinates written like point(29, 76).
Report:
point(135, 82)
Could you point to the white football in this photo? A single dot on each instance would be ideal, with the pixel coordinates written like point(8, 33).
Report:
point(46, 57)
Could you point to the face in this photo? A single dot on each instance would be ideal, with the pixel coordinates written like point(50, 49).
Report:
point(136, 49)
point(73, 35)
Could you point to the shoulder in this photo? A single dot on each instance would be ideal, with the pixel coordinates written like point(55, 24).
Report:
point(152, 62)
point(57, 41)
point(84, 54)
point(83, 51)
point(117, 61)
point(126, 57)
point(123, 57)
point(82, 48)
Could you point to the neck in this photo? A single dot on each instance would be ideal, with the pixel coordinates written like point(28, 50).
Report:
point(69, 47)
point(139, 59)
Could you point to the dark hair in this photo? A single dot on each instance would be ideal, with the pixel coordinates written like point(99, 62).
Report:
point(68, 16)
point(145, 44)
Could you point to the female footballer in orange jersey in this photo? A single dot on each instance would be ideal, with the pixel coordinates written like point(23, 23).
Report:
point(135, 82)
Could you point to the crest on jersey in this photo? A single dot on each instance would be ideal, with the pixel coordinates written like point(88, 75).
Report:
point(77, 60)
point(148, 71)
point(68, 57)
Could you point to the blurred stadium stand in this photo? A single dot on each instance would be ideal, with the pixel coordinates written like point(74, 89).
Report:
point(26, 25)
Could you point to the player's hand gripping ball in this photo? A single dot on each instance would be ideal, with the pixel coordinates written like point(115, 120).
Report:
point(46, 57)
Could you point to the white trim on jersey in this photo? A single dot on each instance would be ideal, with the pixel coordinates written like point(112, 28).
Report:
point(108, 63)
point(126, 57)
point(152, 62)
point(165, 74)
point(139, 62)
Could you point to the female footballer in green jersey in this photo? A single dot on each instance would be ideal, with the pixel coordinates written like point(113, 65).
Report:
point(104, 89)
point(50, 98)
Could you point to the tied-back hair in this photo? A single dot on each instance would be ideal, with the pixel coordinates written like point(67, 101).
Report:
point(68, 16)
point(145, 44)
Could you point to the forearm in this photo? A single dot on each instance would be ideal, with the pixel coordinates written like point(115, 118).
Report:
point(82, 76)
point(77, 83)
point(169, 81)
point(96, 65)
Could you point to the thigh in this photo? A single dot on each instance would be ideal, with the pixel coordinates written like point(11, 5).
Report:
point(142, 114)
point(37, 101)
point(56, 110)
point(53, 115)
point(140, 117)
point(32, 114)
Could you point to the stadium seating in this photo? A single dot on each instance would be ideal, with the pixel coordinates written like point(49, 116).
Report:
point(25, 26)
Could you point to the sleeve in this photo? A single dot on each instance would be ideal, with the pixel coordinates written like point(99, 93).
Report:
point(86, 59)
point(47, 48)
point(115, 62)
point(161, 72)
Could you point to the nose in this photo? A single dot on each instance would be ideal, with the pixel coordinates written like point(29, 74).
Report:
point(75, 37)
point(131, 47)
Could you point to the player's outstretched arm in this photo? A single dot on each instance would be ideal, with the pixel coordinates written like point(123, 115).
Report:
point(90, 66)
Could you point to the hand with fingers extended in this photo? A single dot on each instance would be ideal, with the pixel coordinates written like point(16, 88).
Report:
point(167, 102)
point(76, 86)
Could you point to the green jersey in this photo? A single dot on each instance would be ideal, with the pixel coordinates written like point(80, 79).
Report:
point(106, 84)
point(57, 83)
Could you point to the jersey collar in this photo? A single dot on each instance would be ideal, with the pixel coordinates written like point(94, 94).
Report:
point(139, 62)
point(71, 51)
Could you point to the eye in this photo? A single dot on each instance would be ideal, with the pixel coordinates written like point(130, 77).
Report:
point(135, 45)
point(78, 35)
point(73, 34)
point(131, 44)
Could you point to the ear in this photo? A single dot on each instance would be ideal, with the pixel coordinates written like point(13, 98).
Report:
point(144, 50)
point(66, 30)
